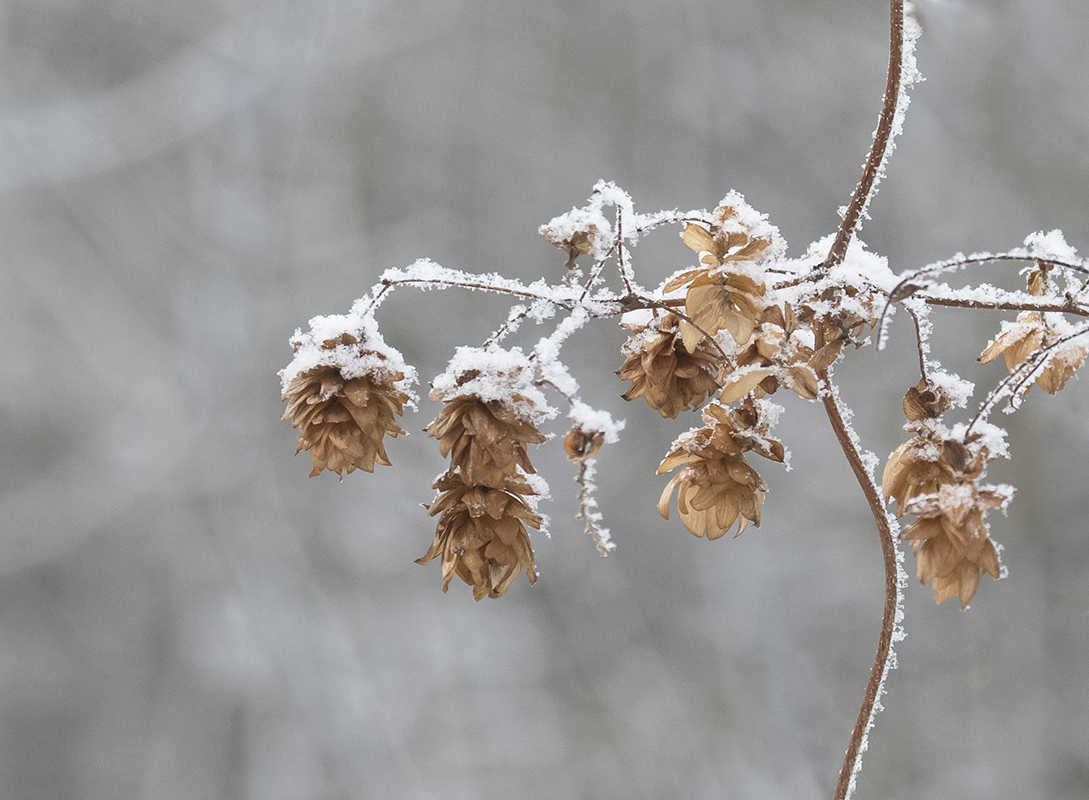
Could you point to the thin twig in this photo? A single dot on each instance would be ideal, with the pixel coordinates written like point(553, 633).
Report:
point(918, 340)
point(1032, 304)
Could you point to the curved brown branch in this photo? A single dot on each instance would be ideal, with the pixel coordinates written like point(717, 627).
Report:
point(888, 618)
point(881, 139)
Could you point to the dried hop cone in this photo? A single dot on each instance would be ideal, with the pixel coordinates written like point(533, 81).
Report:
point(718, 299)
point(485, 440)
point(481, 534)
point(920, 466)
point(717, 488)
point(951, 539)
point(342, 419)
point(1019, 340)
point(663, 371)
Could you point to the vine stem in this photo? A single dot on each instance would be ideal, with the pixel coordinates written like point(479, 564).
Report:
point(847, 229)
point(882, 659)
point(849, 225)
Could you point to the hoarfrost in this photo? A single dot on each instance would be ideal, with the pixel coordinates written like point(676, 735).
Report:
point(1050, 246)
point(595, 420)
point(952, 385)
point(367, 355)
point(588, 508)
point(494, 375)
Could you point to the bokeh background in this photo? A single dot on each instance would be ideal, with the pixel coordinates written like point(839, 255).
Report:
point(184, 615)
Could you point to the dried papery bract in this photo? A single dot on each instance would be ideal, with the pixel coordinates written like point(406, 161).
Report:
point(724, 293)
point(951, 538)
point(581, 444)
point(935, 476)
point(486, 440)
point(343, 393)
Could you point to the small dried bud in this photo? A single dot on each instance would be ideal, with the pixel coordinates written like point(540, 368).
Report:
point(1038, 278)
point(926, 401)
point(581, 444)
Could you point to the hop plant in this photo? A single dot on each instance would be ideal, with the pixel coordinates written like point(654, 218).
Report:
point(719, 336)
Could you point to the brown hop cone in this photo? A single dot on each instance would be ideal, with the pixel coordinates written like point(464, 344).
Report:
point(342, 421)
point(771, 358)
point(919, 466)
point(485, 440)
point(481, 534)
point(717, 299)
point(950, 538)
point(1024, 337)
point(662, 370)
point(717, 488)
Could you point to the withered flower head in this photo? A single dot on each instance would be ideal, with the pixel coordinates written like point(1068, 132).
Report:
point(579, 231)
point(717, 299)
point(725, 292)
point(919, 466)
point(669, 376)
point(1020, 339)
point(926, 401)
point(950, 538)
point(717, 488)
point(481, 534)
point(485, 440)
point(581, 444)
point(343, 408)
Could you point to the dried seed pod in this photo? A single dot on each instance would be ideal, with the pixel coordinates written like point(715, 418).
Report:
point(950, 538)
point(481, 534)
point(664, 372)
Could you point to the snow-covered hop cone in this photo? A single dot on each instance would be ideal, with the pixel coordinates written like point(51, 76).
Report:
point(344, 389)
point(488, 495)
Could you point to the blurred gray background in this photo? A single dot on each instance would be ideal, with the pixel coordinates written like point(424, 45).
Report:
point(184, 615)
